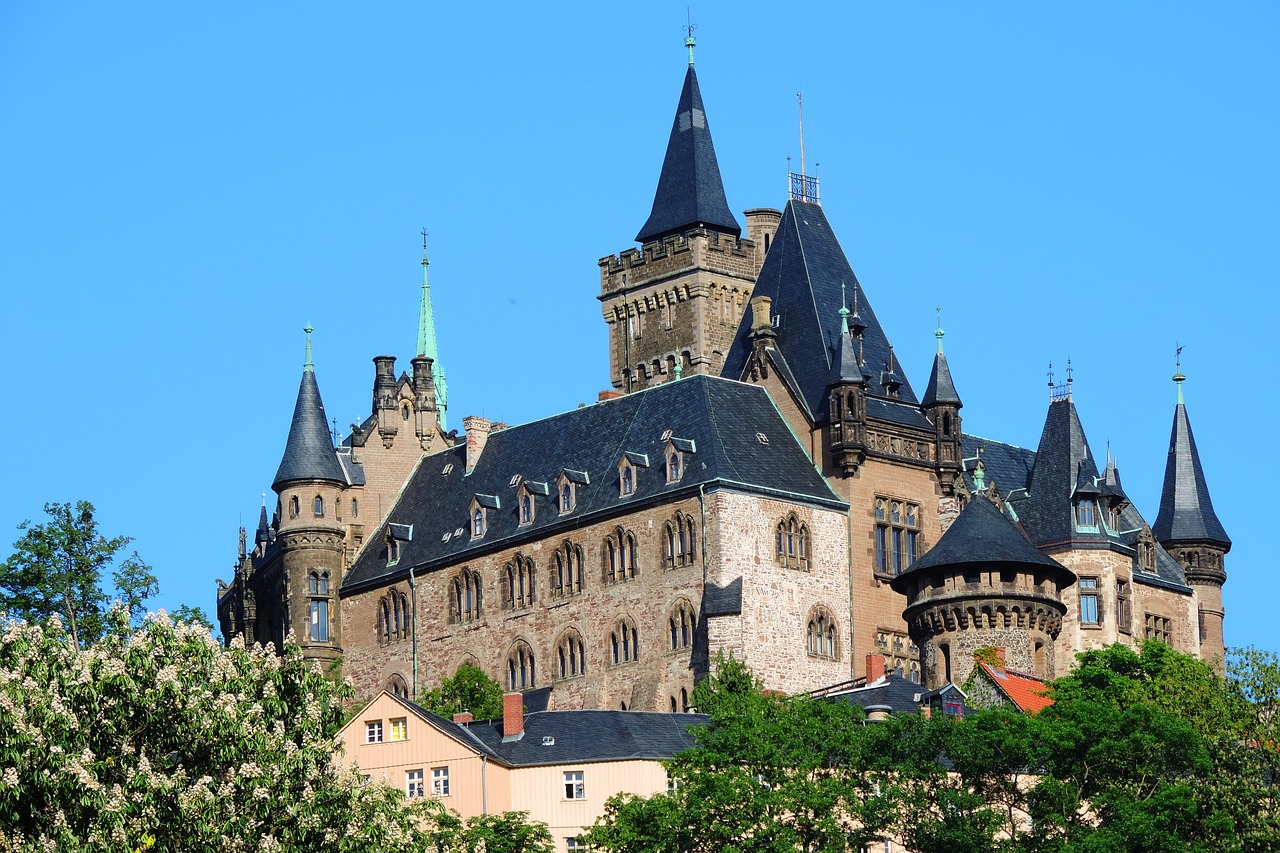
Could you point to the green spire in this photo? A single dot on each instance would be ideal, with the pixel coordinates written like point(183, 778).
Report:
point(938, 334)
point(1178, 377)
point(308, 366)
point(689, 40)
point(844, 311)
point(427, 337)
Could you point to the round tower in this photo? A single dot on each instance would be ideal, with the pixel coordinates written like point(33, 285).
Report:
point(983, 585)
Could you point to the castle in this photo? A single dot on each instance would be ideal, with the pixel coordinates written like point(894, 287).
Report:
point(762, 480)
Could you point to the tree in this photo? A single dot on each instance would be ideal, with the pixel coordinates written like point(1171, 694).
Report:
point(192, 616)
point(58, 567)
point(509, 832)
point(161, 739)
point(471, 689)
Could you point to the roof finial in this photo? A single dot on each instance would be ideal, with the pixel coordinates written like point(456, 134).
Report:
point(264, 500)
point(307, 365)
point(1178, 378)
point(938, 334)
point(844, 311)
point(800, 107)
point(689, 40)
point(679, 369)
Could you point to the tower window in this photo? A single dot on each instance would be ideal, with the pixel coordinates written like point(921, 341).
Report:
point(897, 535)
point(319, 506)
point(1088, 601)
point(293, 506)
point(355, 508)
point(1086, 514)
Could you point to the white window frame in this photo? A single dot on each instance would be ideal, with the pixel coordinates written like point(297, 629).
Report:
point(373, 731)
point(414, 786)
point(440, 781)
point(399, 729)
point(574, 785)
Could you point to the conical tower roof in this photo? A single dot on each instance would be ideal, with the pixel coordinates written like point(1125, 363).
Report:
point(309, 453)
point(690, 192)
point(1064, 468)
point(941, 389)
point(1186, 512)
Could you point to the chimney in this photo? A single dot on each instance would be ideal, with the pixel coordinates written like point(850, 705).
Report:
point(608, 395)
point(384, 382)
point(512, 717)
point(875, 668)
point(463, 717)
point(761, 316)
point(1000, 656)
point(477, 429)
point(424, 386)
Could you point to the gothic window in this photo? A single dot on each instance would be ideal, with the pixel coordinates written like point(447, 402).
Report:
point(628, 480)
point(791, 543)
point(384, 620)
point(620, 554)
point(681, 624)
point(674, 466)
point(519, 586)
point(526, 508)
point(679, 539)
point(319, 506)
point(293, 506)
point(1123, 615)
point(396, 686)
point(571, 655)
point(897, 535)
point(1147, 555)
point(566, 571)
point(477, 522)
point(821, 636)
point(1088, 601)
point(465, 597)
point(520, 668)
point(404, 411)
point(355, 508)
point(624, 644)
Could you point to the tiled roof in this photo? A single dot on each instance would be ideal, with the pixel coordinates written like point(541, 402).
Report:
point(1027, 692)
point(308, 452)
point(723, 420)
point(690, 192)
point(982, 534)
point(1186, 512)
point(802, 274)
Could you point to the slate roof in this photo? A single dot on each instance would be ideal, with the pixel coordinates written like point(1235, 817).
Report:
point(1186, 512)
point(1007, 465)
point(720, 418)
point(1063, 465)
point(891, 690)
point(308, 453)
point(941, 389)
point(802, 274)
point(981, 534)
point(590, 736)
point(690, 192)
point(1028, 693)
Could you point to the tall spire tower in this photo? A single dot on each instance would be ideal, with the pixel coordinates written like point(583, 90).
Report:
point(427, 338)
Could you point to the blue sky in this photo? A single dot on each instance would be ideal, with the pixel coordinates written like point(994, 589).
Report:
point(186, 185)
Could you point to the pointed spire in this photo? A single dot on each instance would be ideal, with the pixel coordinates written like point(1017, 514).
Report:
point(847, 368)
point(689, 40)
point(941, 390)
point(427, 337)
point(307, 364)
point(308, 453)
point(844, 311)
point(690, 192)
point(1186, 511)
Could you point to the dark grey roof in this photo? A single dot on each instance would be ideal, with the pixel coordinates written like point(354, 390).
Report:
point(1111, 486)
point(309, 454)
point(845, 366)
point(722, 600)
point(893, 691)
point(1063, 464)
point(941, 389)
point(690, 193)
point(1186, 512)
point(721, 418)
point(1007, 465)
point(589, 736)
point(982, 534)
point(802, 274)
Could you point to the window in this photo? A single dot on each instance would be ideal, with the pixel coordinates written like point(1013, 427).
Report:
point(393, 617)
point(897, 535)
point(397, 686)
point(566, 571)
point(520, 671)
point(681, 624)
point(1086, 514)
point(684, 700)
point(399, 729)
point(404, 411)
point(628, 480)
point(1088, 601)
point(384, 621)
point(1146, 553)
point(393, 550)
point(572, 845)
point(1123, 615)
point(413, 783)
point(821, 641)
point(675, 466)
point(526, 508)
point(439, 781)
point(319, 620)
point(520, 582)
point(571, 655)
point(373, 731)
point(465, 597)
point(1158, 628)
point(355, 508)
point(791, 541)
point(972, 576)
point(319, 507)
point(477, 523)
point(624, 643)
point(678, 541)
point(573, 789)
point(293, 507)
point(568, 495)
point(620, 555)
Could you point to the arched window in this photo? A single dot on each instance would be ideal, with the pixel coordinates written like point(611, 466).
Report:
point(631, 556)
point(611, 559)
point(477, 522)
point(681, 624)
point(684, 700)
point(571, 655)
point(396, 686)
point(628, 480)
point(319, 506)
point(520, 581)
point(464, 597)
point(673, 466)
point(355, 508)
point(821, 636)
point(384, 621)
point(566, 497)
point(313, 583)
point(791, 540)
point(624, 642)
point(526, 508)
point(669, 555)
point(395, 609)
point(293, 507)
point(520, 668)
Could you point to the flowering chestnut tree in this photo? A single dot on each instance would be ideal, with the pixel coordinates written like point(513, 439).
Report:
point(159, 738)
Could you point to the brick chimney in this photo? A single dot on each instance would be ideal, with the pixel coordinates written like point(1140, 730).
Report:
point(1000, 656)
point(608, 395)
point(512, 716)
point(875, 667)
point(477, 434)
point(463, 717)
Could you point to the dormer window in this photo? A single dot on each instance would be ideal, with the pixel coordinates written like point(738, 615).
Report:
point(567, 489)
point(628, 480)
point(526, 507)
point(674, 468)
point(566, 497)
point(477, 523)
point(628, 475)
point(480, 507)
point(1086, 514)
point(396, 536)
point(674, 456)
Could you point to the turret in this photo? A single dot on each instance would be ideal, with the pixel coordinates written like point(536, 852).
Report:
point(1189, 529)
point(385, 398)
point(847, 400)
point(942, 407)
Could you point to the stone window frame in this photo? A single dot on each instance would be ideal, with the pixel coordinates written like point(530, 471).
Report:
point(624, 642)
point(567, 489)
point(295, 507)
point(520, 590)
point(1145, 552)
point(571, 655)
point(1124, 609)
point(619, 555)
point(319, 627)
point(521, 667)
point(682, 625)
point(527, 509)
point(397, 686)
point(898, 534)
point(317, 506)
point(1091, 613)
point(792, 542)
point(479, 520)
point(679, 541)
point(1159, 628)
point(566, 572)
point(394, 617)
point(629, 472)
point(822, 638)
point(674, 463)
point(466, 597)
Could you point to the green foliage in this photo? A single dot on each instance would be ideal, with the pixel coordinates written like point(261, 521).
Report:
point(471, 689)
point(58, 567)
point(161, 738)
point(509, 832)
point(192, 616)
